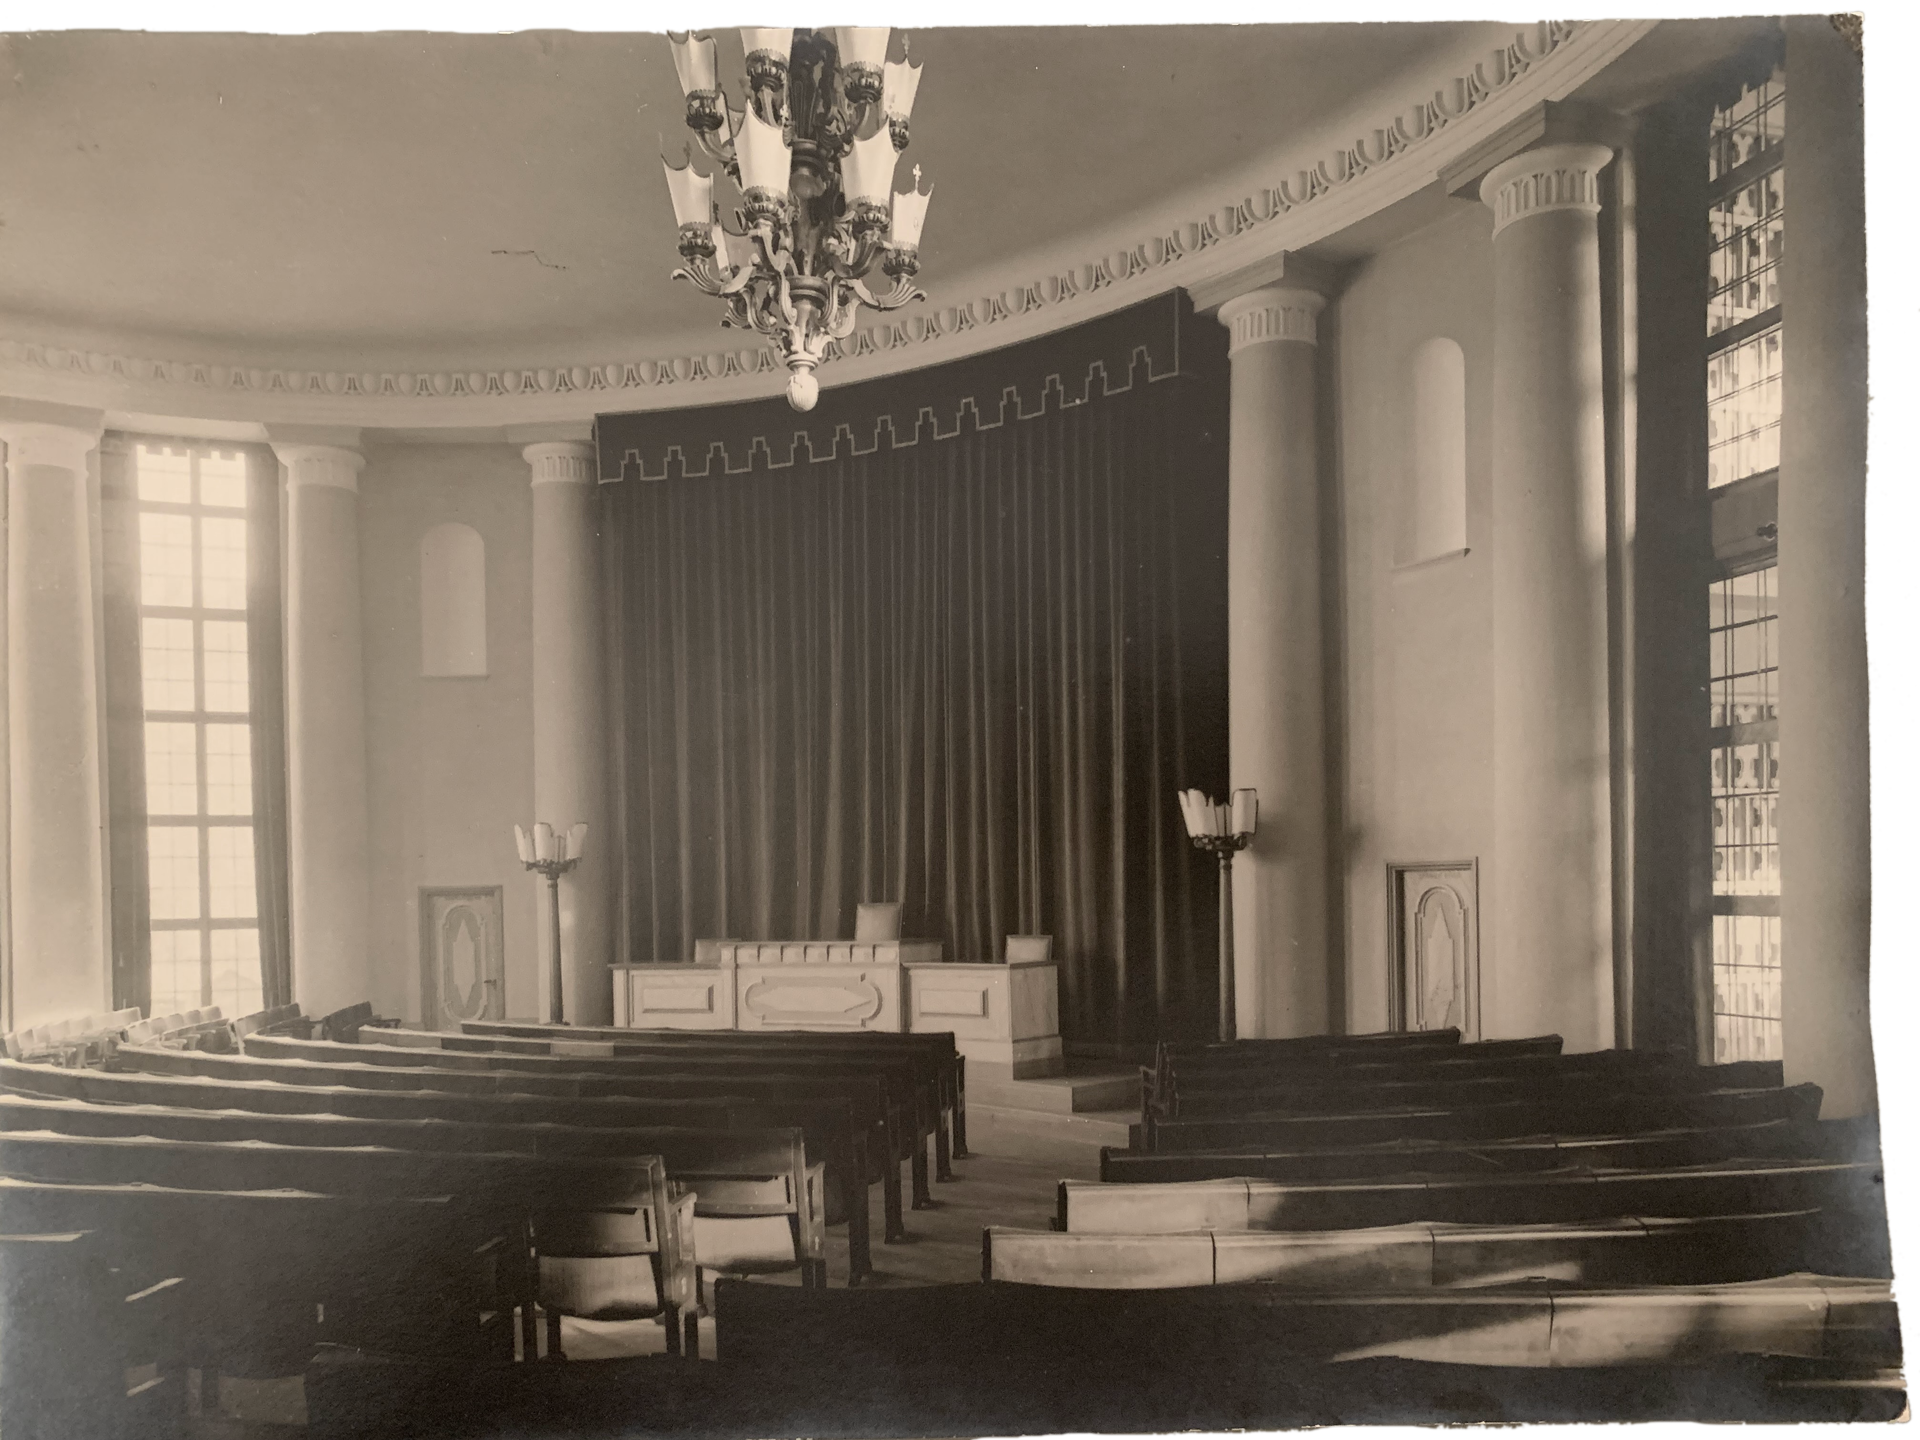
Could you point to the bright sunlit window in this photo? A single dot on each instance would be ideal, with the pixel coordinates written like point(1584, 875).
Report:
point(199, 751)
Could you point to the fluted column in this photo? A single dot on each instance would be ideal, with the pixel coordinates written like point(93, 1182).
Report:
point(1825, 803)
point(1276, 697)
point(569, 719)
point(1549, 961)
point(328, 854)
point(56, 828)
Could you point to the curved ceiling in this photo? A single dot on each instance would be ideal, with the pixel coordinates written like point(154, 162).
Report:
point(431, 196)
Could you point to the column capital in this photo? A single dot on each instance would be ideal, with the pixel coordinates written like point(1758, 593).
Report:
point(333, 465)
point(1545, 179)
point(563, 462)
point(37, 442)
point(1277, 312)
point(39, 433)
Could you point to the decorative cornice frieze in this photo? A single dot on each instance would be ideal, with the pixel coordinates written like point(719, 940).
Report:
point(561, 462)
point(1538, 182)
point(1230, 232)
point(1275, 313)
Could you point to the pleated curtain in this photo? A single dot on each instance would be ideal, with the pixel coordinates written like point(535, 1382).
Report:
point(967, 674)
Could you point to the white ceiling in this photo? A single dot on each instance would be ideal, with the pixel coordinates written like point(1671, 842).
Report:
point(425, 197)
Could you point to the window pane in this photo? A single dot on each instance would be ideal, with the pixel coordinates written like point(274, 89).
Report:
point(166, 559)
point(162, 476)
point(173, 771)
point(235, 971)
point(175, 976)
point(166, 663)
point(1742, 650)
point(1746, 987)
point(223, 480)
point(230, 872)
point(1749, 231)
point(224, 650)
point(229, 769)
point(223, 563)
point(173, 872)
point(1743, 409)
point(1752, 125)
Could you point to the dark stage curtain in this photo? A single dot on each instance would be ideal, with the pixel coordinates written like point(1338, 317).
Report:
point(968, 672)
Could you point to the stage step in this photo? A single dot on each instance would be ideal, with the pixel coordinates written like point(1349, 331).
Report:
point(1041, 1134)
point(1083, 1090)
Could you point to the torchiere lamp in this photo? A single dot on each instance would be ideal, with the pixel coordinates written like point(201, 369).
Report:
point(552, 853)
point(1222, 829)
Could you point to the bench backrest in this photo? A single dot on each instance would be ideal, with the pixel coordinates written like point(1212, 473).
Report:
point(1592, 1114)
point(1492, 1157)
point(1621, 1250)
point(1206, 1096)
point(1727, 1188)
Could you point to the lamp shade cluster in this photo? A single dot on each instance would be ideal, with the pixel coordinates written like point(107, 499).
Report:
point(544, 845)
point(812, 151)
point(1208, 818)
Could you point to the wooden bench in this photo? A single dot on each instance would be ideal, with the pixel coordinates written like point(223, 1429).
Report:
point(1491, 1157)
point(1618, 1251)
point(748, 1183)
point(1202, 1096)
point(1232, 1355)
point(871, 1111)
point(832, 1137)
point(1731, 1187)
point(1592, 1114)
point(935, 1054)
point(905, 1095)
point(272, 1273)
point(623, 1201)
point(85, 1351)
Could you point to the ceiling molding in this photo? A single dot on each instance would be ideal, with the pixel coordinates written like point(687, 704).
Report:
point(1400, 155)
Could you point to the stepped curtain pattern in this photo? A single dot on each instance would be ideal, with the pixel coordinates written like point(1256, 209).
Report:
point(967, 672)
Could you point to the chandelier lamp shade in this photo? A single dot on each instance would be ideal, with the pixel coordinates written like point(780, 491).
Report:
point(812, 151)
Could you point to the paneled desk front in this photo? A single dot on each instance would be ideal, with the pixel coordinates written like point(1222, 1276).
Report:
point(1004, 1016)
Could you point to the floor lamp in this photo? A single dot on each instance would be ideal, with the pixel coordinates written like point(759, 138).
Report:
point(1221, 830)
point(552, 853)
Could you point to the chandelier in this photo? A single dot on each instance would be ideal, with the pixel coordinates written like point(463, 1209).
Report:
point(813, 153)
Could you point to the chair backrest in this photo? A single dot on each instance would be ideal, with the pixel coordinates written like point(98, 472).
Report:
point(1029, 948)
point(879, 920)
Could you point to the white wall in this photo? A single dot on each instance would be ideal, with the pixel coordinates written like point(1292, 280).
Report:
point(449, 761)
point(1415, 640)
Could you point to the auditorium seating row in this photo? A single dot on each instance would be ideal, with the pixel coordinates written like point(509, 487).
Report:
point(1488, 1204)
point(412, 1196)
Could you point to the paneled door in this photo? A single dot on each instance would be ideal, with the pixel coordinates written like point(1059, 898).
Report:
point(463, 969)
point(1435, 938)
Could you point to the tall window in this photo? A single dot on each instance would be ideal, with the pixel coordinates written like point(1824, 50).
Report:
point(1747, 219)
point(205, 934)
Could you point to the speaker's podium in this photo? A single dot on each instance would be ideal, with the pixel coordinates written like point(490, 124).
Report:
point(1004, 1015)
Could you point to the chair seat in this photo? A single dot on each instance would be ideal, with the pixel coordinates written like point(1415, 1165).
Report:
point(600, 1287)
point(745, 1244)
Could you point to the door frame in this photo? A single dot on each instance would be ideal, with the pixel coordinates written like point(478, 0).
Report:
point(1397, 872)
point(494, 960)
